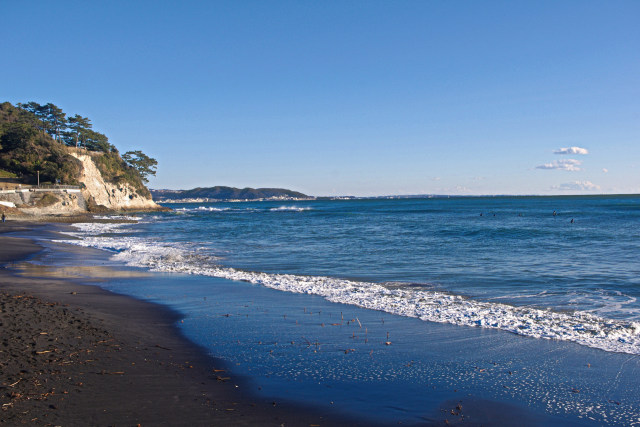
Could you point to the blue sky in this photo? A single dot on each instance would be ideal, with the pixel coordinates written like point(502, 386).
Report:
point(346, 97)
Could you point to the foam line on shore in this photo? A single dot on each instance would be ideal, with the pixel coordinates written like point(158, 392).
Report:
point(113, 360)
point(580, 327)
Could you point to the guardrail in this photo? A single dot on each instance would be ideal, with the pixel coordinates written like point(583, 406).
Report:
point(56, 187)
point(43, 188)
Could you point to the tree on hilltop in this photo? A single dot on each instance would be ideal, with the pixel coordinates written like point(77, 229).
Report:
point(78, 126)
point(56, 119)
point(27, 147)
point(49, 118)
point(37, 116)
point(142, 163)
point(26, 152)
point(96, 141)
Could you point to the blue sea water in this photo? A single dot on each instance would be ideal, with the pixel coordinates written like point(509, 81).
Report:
point(489, 279)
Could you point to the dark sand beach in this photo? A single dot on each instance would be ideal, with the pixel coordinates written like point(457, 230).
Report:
point(74, 354)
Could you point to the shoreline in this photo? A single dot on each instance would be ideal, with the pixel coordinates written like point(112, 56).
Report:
point(268, 341)
point(74, 353)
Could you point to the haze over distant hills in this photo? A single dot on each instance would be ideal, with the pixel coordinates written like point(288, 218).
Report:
point(226, 193)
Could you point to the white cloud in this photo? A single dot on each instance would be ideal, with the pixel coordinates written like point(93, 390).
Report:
point(458, 189)
point(577, 185)
point(571, 165)
point(461, 189)
point(605, 170)
point(571, 150)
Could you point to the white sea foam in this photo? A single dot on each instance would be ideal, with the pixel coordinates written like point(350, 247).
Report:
point(95, 228)
point(242, 210)
point(203, 209)
point(579, 327)
point(290, 209)
point(119, 217)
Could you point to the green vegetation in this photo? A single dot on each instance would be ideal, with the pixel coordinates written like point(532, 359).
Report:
point(25, 151)
point(142, 163)
point(7, 174)
point(114, 169)
point(74, 132)
point(36, 138)
point(47, 200)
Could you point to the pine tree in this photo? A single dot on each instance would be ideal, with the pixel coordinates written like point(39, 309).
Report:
point(78, 128)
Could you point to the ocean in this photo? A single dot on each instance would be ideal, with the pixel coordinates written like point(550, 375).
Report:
point(362, 304)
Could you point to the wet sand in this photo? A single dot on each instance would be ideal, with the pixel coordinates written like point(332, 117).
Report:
point(74, 354)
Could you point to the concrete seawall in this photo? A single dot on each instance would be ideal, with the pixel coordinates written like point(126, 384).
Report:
point(71, 197)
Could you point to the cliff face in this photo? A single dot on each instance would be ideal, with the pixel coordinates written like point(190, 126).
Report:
point(76, 172)
point(101, 195)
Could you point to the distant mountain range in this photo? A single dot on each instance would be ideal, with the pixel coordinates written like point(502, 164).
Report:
point(226, 193)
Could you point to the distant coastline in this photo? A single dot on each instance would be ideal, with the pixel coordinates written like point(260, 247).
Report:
point(231, 194)
point(220, 193)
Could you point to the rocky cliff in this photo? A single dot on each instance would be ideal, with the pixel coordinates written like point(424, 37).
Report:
point(51, 165)
point(103, 196)
point(93, 195)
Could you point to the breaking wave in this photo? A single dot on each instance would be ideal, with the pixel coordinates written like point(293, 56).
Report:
point(200, 209)
point(401, 299)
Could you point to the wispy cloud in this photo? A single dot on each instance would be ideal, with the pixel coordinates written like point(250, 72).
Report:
point(458, 189)
point(571, 150)
point(605, 170)
point(577, 186)
point(571, 165)
point(461, 189)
